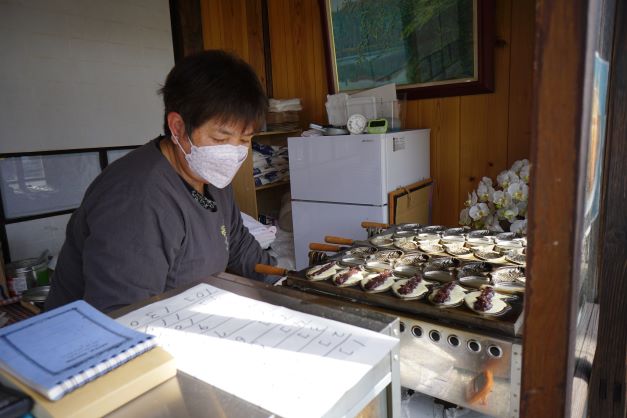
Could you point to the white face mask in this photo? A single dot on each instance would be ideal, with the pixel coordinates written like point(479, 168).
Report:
point(216, 164)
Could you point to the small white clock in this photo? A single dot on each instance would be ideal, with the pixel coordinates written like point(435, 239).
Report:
point(356, 124)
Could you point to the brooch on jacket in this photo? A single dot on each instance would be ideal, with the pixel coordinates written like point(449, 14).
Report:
point(204, 201)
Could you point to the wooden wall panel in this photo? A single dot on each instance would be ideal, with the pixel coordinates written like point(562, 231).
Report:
point(473, 145)
point(235, 26)
point(520, 80)
point(472, 136)
point(212, 24)
point(497, 103)
point(298, 61)
point(412, 111)
point(442, 117)
point(254, 34)
point(484, 117)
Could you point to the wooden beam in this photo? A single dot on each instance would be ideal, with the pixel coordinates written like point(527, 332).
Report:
point(608, 386)
point(558, 82)
point(186, 24)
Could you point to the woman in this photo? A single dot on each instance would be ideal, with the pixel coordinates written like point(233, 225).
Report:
point(164, 215)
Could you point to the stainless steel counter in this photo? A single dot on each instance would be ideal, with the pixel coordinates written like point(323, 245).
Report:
point(185, 396)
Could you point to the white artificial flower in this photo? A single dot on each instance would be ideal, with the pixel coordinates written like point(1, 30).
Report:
point(512, 177)
point(488, 220)
point(519, 227)
point(504, 200)
point(517, 166)
point(479, 224)
point(522, 208)
point(484, 191)
point(502, 178)
point(464, 217)
point(479, 211)
point(506, 178)
point(492, 223)
point(501, 199)
point(519, 191)
point(485, 210)
point(524, 173)
point(472, 199)
point(509, 213)
point(474, 212)
point(487, 181)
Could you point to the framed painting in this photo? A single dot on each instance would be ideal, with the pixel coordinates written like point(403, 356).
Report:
point(429, 48)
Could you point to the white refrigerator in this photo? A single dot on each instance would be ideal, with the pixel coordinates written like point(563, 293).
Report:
point(339, 181)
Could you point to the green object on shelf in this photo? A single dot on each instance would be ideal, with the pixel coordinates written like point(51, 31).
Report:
point(377, 126)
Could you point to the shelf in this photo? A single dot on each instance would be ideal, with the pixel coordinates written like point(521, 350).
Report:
point(283, 133)
point(272, 185)
point(266, 198)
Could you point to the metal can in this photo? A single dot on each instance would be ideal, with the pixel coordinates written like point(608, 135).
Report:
point(26, 274)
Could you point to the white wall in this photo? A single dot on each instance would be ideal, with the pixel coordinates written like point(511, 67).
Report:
point(78, 74)
point(81, 73)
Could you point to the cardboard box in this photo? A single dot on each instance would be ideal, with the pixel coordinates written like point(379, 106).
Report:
point(411, 204)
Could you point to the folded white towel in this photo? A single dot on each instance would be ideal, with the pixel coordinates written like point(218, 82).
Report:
point(284, 105)
point(265, 235)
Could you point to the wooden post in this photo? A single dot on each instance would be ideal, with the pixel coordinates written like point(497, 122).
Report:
point(558, 82)
point(608, 386)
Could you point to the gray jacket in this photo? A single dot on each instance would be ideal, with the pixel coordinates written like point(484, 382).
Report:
point(139, 232)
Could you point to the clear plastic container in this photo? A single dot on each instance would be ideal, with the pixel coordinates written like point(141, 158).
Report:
point(393, 111)
point(371, 108)
point(366, 106)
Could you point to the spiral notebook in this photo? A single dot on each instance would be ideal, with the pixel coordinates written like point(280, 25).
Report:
point(61, 350)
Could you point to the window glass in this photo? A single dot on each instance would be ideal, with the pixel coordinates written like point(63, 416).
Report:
point(116, 154)
point(36, 185)
point(29, 238)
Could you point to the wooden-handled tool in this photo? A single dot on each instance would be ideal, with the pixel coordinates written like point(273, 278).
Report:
point(338, 240)
point(271, 270)
point(315, 246)
point(368, 224)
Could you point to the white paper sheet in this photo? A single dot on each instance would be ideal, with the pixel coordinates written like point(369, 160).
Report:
point(386, 93)
point(288, 362)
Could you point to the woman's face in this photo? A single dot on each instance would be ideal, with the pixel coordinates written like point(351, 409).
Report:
point(215, 132)
point(211, 133)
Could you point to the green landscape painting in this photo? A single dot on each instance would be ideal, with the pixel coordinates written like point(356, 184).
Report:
point(407, 42)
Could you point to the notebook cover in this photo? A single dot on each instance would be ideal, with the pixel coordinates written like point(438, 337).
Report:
point(106, 393)
point(62, 349)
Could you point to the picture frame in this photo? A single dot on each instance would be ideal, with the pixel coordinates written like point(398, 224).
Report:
point(429, 48)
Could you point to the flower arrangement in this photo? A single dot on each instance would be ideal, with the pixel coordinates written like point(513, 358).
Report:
point(501, 206)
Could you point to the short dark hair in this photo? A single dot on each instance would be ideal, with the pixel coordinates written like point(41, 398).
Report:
point(213, 84)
